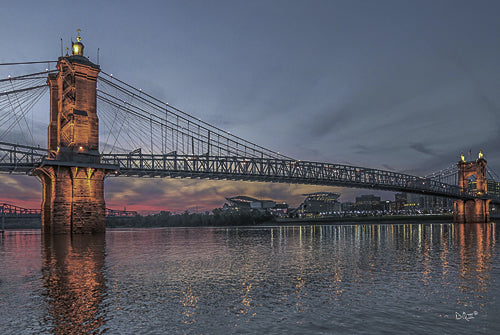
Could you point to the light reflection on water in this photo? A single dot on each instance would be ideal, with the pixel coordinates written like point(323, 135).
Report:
point(73, 282)
point(365, 279)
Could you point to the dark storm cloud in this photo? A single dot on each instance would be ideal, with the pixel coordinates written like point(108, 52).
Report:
point(24, 134)
point(420, 147)
point(331, 122)
point(387, 167)
point(362, 149)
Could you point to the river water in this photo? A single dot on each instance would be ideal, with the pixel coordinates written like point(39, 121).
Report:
point(346, 279)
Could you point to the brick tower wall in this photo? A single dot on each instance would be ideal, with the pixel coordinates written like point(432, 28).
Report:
point(72, 177)
point(477, 210)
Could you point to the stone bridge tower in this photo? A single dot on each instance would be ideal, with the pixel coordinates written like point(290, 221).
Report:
point(72, 175)
point(476, 210)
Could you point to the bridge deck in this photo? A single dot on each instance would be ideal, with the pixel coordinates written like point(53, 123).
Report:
point(23, 159)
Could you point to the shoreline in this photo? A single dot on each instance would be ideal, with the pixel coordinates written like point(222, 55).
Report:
point(32, 224)
point(276, 222)
point(366, 219)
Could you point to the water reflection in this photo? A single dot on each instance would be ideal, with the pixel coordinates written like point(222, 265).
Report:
point(308, 279)
point(476, 243)
point(440, 257)
point(341, 279)
point(189, 301)
point(74, 283)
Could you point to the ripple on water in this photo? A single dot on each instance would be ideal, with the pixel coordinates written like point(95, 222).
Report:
point(365, 279)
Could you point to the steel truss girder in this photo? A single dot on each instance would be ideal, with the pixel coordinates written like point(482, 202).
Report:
point(19, 158)
point(277, 170)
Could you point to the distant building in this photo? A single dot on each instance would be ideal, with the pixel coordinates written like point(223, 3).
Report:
point(279, 209)
point(493, 187)
point(321, 203)
point(413, 202)
point(389, 206)
point(400, 201)
point(348, 206)
point(428, 203)
point(432, 203)
point(245, 203)
point(368, 202)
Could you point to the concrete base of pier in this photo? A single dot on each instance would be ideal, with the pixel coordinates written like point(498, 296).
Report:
point(471, 211)
point(73, 199)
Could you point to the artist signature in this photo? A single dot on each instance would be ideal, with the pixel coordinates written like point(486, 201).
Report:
point(465, 316)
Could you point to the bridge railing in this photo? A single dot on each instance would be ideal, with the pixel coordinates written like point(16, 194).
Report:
point(119, 213)
point(276, 170)
point(19, 158)
point(12, 210)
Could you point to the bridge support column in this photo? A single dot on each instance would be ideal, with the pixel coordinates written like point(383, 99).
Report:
point(471, 211)
point(73, 199)
point(73, 174)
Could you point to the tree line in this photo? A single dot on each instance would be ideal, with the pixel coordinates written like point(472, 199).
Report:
point(218, 217)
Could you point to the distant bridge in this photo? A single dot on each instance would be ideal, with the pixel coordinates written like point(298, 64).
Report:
point(9, 210)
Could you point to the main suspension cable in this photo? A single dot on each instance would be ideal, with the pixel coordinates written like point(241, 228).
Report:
point(27, 63)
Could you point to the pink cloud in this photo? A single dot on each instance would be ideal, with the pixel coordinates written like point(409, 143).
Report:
point(20, 190)
point(177, 195)
point(148, 195)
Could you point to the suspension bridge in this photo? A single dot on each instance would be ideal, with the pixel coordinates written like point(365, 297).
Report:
point(101, 126)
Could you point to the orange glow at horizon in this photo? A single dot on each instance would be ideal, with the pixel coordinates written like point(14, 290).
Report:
point(148, 195)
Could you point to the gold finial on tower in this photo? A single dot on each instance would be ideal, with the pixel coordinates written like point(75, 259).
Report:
point(480, 156)
point(462, 157)
point(77, 47)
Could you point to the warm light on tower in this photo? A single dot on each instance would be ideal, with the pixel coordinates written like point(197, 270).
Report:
point(73, 178)
point(77, 47)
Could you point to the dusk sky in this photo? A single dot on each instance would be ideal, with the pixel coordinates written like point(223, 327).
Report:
point(399, 85)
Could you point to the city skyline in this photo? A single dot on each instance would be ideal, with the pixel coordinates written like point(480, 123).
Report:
point(392, 85)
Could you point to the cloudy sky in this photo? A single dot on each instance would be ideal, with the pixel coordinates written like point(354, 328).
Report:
point(398, 85)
